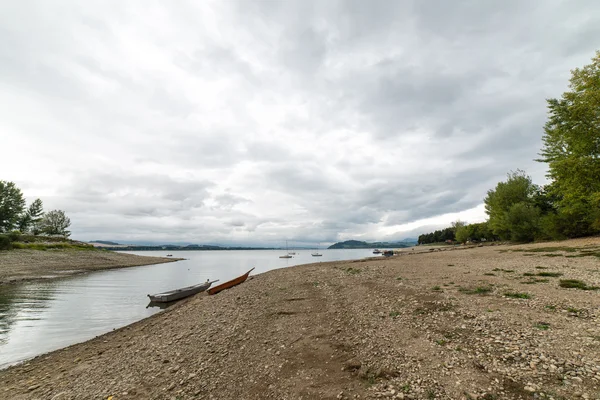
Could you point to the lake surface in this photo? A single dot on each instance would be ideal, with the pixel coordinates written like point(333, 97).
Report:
point(39, 317)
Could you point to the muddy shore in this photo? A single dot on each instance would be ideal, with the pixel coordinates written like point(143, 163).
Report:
point(479, 323)
point(26, 265)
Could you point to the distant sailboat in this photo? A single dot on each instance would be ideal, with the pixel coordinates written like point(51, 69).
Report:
point(317, 254)
point(288, 255)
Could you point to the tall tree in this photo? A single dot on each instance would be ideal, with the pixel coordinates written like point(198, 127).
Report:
point(12, 204)
point(35, 212)
point(56, 222)
point(572, 150)
point(517, 189)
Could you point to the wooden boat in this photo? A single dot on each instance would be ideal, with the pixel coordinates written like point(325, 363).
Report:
point(230, 283)
point(177, 294)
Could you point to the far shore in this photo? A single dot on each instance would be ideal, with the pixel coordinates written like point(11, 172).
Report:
point(19, 265)
point(491, 322)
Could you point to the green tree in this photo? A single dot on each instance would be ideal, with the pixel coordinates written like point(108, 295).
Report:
point(572, 150)
point(517, 189)
point(35, 212)
point(462, 233)
point(524, 222)
point(56, 222)
point(12, 204)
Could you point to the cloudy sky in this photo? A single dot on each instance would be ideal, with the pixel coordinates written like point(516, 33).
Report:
point(259, 122)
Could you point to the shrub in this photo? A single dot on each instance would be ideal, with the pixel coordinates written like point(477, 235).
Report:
point(5, 243)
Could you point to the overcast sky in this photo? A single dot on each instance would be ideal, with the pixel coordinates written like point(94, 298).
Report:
point(253, 122)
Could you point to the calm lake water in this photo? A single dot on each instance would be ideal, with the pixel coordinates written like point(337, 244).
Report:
point(39, 317)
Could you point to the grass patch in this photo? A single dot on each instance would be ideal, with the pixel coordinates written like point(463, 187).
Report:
point(528, 274)
point(394, 314)
point(550, 307)
point(398, 278)
point(544, 326)
point(552, 255)
point(441, 342)
point(480, 290)
point(550, 274)
point(451, 265)
point(517, 295)
point(503, 270)
point(551, 249)
point(538, 267)
point(533, 281)
point(436, 289)
point(576, 284)
point(353, 271)
point(52, 246)
point(490, 274)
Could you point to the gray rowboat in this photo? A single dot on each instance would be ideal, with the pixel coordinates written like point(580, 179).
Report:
point(177, 294)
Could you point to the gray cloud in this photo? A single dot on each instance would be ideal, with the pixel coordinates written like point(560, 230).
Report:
point(256, 122)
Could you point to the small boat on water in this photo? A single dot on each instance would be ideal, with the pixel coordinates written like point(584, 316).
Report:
point(230, 283)
point(285, 256)
point(317, 254)
point(376, 251)
point(169, 255)
point(177, 294)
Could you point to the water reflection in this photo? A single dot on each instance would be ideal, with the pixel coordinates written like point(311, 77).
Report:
point(39, 317)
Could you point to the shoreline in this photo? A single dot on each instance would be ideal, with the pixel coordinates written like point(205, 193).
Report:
point(23, 266)
point(400, 327)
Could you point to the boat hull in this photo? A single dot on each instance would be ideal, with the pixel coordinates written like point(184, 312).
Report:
point(178, 294)
point(229, 284)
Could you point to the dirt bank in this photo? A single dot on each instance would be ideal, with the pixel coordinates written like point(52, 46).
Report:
point(24, 265)
point(479, 323)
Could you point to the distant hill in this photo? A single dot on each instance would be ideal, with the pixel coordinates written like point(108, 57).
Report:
point(356, 244)
point(104, 242)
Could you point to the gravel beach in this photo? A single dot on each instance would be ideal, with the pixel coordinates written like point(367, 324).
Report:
point(26, 265)
point(487, 322)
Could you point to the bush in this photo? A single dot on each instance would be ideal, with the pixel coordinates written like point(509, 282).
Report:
point(14, 236)
point(5, 243)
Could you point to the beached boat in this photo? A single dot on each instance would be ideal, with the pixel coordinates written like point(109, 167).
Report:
point(177, 294)
point(230, 283)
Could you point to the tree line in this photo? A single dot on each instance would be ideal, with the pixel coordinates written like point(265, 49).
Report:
point(567, 207)
point(15, 216)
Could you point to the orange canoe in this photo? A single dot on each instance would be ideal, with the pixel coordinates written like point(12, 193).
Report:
point(228, 284)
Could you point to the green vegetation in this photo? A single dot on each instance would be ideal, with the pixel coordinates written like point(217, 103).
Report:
point(517, 295)
point(576, 284)
point(550, 274)
point(14, 217)
point(544, 326)
point(481, 290)
point(533, 281)
point(353, 271)
point(436, 289)
point(503, 270)
point(394, 314)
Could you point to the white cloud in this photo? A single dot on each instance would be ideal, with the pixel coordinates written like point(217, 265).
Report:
point(245, 122)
